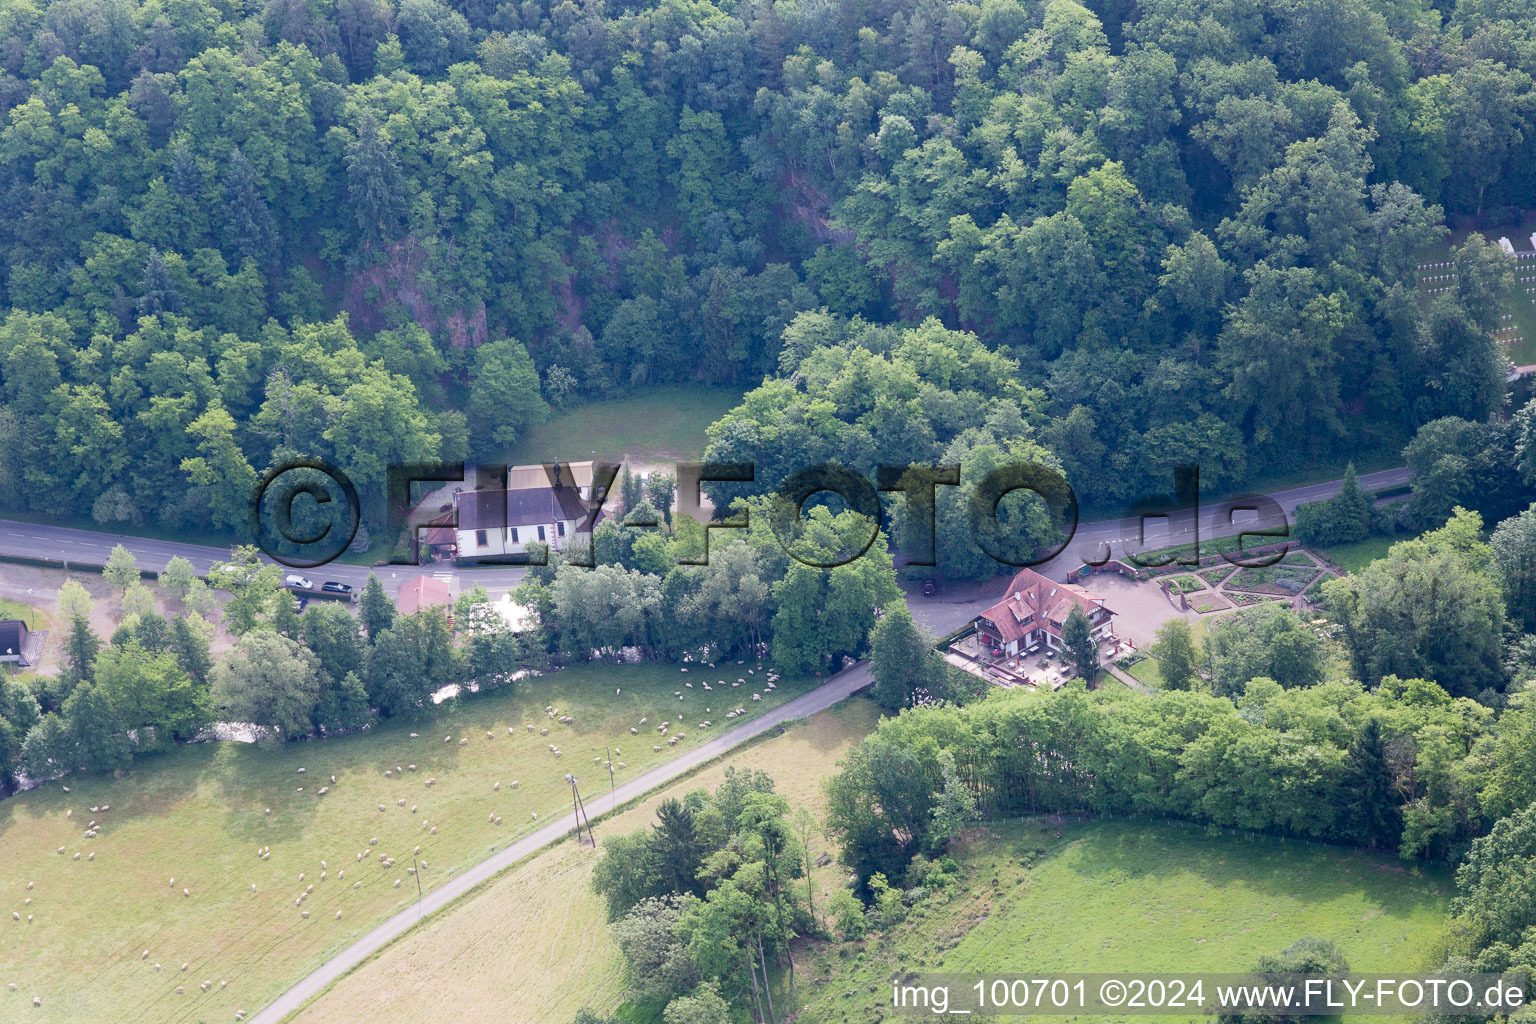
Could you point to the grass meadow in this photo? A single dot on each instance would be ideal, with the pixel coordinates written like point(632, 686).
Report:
point(533, 945)
point(1046, 897)
point(199, 815)
point(652, 424)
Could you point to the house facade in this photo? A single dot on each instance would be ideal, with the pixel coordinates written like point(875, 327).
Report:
point(495, 524)
point(1033, 612)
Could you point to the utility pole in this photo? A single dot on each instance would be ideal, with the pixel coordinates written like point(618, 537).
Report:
point(613, 789)
point(416, 870)
point(581, 814)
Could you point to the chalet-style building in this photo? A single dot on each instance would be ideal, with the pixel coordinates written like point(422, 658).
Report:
point(1032, 613)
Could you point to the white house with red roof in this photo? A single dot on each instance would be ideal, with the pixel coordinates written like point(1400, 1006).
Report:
point(1033, 611)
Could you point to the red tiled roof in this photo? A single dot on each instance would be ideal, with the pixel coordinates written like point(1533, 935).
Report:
point(421, 592)
point(1032, 602)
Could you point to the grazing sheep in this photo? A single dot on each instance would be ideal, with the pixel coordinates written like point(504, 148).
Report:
point(15, 916)
point(397, 883)
point(324, 790)
point(655, 749)
point(530, 728)
point(488, 735)
point(304, 914)
point(357, 885)
point(186, 892)
point(185, 966)
point(633, 731)
point(338, 915)
point(269, 810)
point(29, 886)
point(544, 731)
point(432, 831)
point(757, 696)
point(381, 807)
point(301, 771)
point(642, 721)
point(333, 779)
point(498, 819)
point(144, 955)
point(463, 741)
point(689, 685)
point(388, 773)
point(413, 808)
point(37, 1000)
point(373, 842)
point(413, 735)
point(411, 767)
point(535, 815)
point(495, 787)
point(399, 803)
point(447, 739)
point(76, 856)
point(514, 783)
point(60, 849)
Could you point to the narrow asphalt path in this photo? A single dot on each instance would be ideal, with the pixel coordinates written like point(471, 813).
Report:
point(835, 689)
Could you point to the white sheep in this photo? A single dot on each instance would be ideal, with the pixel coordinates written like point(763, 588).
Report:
point(514, 783)
point(488, 735)
point(495, 787)
point(76, 856)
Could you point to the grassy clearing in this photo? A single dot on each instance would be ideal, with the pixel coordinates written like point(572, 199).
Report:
point(1356, 556)
point(1052, 897)
point(34, 617)
point(649, 425)
point(198, 815)
point(533, 946)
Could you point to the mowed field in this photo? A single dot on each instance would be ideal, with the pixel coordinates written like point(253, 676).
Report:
point(533, 946)
point(645, 424)
point(199, 815)
point(1044, 896)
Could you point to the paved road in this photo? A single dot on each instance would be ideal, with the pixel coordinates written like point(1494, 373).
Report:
point(839, 687)
point(90, 546)
point(1120, 535)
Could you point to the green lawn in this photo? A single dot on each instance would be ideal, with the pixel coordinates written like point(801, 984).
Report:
point(1356, 556)
point(654, 424)
point(198, 814)
point(35, 618)
point(1043, 897)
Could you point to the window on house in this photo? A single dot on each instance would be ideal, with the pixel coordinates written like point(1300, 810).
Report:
point(559, 529)
point(514, 535)
point(541, 533)
point(480, 540)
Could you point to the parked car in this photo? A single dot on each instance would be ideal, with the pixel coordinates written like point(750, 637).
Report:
point(929, 588)
point(300, 603)
point(332, 587)
point(293, 579)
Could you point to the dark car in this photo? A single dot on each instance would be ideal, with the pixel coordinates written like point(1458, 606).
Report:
point(332, 587)
point(929, 588)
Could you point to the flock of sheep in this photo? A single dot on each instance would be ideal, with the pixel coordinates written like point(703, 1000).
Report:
point(386, 861)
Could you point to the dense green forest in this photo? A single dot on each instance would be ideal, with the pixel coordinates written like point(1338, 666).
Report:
point(380, 233)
